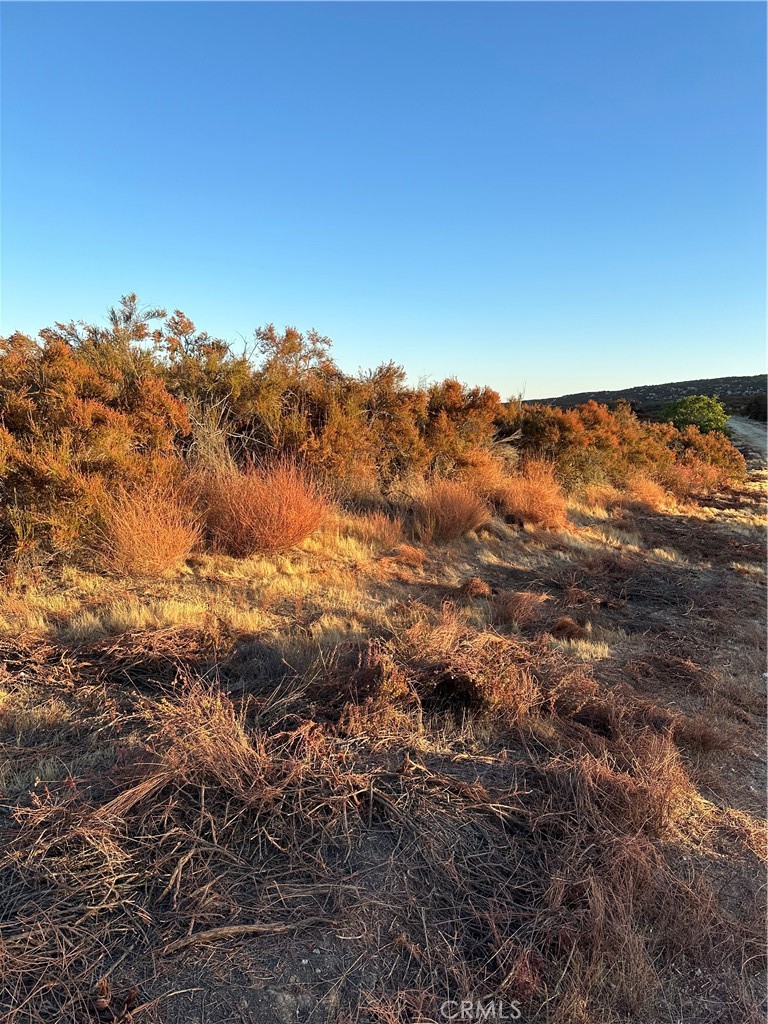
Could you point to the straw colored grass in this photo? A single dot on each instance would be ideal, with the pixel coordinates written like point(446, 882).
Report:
point(445, 510)
point(337, 757)
point(518, 607)
point(534, 496)
point(646, 493)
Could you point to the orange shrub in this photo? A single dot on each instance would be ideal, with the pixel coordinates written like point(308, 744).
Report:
point(270, 507)
point(147, 531)
point(447, 509)
point(693, 477)
point(534, 496)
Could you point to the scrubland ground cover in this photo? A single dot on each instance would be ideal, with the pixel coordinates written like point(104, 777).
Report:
point(326, 699)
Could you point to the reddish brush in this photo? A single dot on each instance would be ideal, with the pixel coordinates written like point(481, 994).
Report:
point(271, 507)
point(448, 509)
point(535, 496)
point(147, 531)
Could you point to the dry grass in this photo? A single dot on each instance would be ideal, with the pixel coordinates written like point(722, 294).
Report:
point(147, 531)
point(566, 628)
point(408, 555)
point(534, 496)
point(445, 510)
point(647, 493)
point(421, 805)
point(548, 880)
point(518, 607)
point(474, 587)
point(265, 508)
point(601, 496)
point(486, 475)
point(639, 490)
point(376, 528)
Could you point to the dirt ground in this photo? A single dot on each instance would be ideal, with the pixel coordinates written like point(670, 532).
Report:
point(751, 437)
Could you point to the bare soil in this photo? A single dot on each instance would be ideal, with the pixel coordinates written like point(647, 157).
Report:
point(751, 437)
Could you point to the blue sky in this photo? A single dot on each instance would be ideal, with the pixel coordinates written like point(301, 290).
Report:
point(550, 197)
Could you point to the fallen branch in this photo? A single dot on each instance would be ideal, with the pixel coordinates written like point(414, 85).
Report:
point(229, 931)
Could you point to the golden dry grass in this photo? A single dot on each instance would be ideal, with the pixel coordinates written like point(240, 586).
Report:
point(647, 493)
point(517, 607)
point(534, 496)
point(262, 745)
point(445, 510)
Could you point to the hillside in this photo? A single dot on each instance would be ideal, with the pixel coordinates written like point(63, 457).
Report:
point(438, 701)
point(732, 390)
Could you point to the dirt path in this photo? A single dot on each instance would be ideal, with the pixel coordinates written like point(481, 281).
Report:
point(751, 435)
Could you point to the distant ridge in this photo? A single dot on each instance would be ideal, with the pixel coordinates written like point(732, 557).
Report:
point(732, 390)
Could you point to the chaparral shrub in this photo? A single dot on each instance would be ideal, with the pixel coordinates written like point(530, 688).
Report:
point(88, 409)
point(706, 413)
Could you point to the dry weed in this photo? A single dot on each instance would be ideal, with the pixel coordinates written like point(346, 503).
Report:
point(534, 496)
point(474, 587)
point(410, 556)
point(646, 493)
point(518, 607)
point(445, 510)
point(265, 508)
point(567, 628)
point(147, 531)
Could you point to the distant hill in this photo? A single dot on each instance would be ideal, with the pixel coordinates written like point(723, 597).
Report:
point(733, 391)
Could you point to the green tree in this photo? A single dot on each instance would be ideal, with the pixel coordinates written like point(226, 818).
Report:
point(756, 409)
point(697, 411)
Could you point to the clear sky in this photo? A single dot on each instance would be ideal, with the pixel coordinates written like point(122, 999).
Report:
point(549, 196)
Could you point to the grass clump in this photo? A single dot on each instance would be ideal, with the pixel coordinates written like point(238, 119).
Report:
point(147, 531)
point(518, 607)
point(534, 496)
point(646, 493)
point(445, 510)
point(262, 508)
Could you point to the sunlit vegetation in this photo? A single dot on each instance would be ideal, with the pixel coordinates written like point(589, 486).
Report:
point(327, 697)
point(86, 408)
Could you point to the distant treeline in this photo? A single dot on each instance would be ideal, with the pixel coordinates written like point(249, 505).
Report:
point(736, 393)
